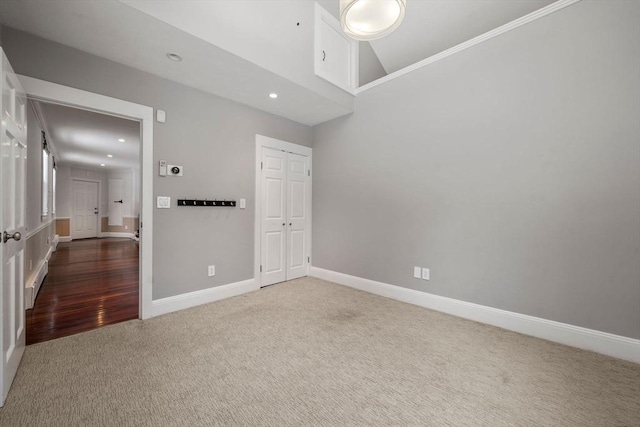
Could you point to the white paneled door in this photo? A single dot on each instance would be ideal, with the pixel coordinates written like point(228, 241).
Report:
point(13, 155)
point(285, 185)
point(85, 209)
point(115, 201)
point(297, 183)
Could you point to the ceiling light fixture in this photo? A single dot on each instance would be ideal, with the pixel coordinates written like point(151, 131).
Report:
point(273, 95)
point(174, 57)
point(371, 19)
point(109, 155)
point(102, 164)
point(121, 140)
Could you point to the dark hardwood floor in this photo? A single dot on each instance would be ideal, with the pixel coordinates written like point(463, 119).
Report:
point(91, 283)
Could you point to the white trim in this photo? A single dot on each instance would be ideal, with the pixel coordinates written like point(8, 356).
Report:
point(575, 336)
point(265, 141)
point(31, 233)
point(118, 234)
point(55, 241)
point(204, 296)
point(33, 284)
point(65, 239)
point(540, 13)
point(59, 94)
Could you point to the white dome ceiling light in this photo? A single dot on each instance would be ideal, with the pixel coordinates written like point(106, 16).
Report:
point(371, 19)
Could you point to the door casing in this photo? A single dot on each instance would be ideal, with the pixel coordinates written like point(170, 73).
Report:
point(59, 94)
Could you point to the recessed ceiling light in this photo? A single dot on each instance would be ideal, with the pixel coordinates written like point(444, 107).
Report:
point(273, 95)
point(102, 164)
point(121, 140)
point(109, 155)
point(174, 57)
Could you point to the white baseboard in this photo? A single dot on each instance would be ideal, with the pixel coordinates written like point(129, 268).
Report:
point(34, 282)
point(575, 336)
point(64, 239)
point(204, 296)
point(118, 234)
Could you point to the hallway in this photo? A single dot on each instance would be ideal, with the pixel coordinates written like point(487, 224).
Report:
point(91, 283)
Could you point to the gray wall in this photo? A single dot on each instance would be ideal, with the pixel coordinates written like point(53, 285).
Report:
point(369, 66)
point(510, 169)
point(212, 138)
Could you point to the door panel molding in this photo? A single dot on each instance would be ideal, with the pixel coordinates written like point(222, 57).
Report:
point(289, 237)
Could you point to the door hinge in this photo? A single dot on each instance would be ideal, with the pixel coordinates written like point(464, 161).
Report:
point(261, 165)
point(260, 269)
point(308, 172)
point(309, 259)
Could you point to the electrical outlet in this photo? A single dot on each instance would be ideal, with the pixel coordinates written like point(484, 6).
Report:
point(126, 227)
point(425, 274)
point(212, 270)
point(417, 272)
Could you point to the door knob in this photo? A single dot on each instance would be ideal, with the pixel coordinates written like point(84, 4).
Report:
point(15, 236)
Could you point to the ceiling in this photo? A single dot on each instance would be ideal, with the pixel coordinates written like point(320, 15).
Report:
point(84, 138)
point(432, 26)
point(244, 49)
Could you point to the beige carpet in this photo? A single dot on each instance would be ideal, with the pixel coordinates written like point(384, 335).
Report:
point(309, 352)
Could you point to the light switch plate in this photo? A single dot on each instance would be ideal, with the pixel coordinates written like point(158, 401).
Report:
point(425, 274)
point(417, 272)
point(161, 116)
point(211, 270)
point(162, 168)
point(164, 202)
point(243, 203)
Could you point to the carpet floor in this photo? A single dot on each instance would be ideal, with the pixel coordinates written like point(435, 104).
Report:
point(309, 352)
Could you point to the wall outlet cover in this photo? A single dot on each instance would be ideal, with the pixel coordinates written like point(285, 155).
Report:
point(425, 274)
point(211, 271)
point(417, 272)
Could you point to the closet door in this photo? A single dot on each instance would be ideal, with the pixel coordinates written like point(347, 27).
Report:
point(274, 221)
point(297, 193)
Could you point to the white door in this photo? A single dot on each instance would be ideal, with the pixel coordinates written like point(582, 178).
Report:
point(85, 209)
point(297, 193)
point(273, 235)
point(284, 245)
point(115, 201)
point(13, 152)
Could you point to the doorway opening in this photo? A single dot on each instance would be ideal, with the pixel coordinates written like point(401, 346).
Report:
point(90, 197)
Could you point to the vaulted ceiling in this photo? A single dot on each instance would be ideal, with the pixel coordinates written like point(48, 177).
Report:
point(238, 49)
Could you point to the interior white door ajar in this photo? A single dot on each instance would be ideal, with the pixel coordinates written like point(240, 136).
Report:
point(297, 193)
point(13, 155)
point(274, 219)
point(285, 220)
point(85, 209)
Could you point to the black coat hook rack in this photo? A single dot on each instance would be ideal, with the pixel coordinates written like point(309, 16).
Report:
point(196, 202)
